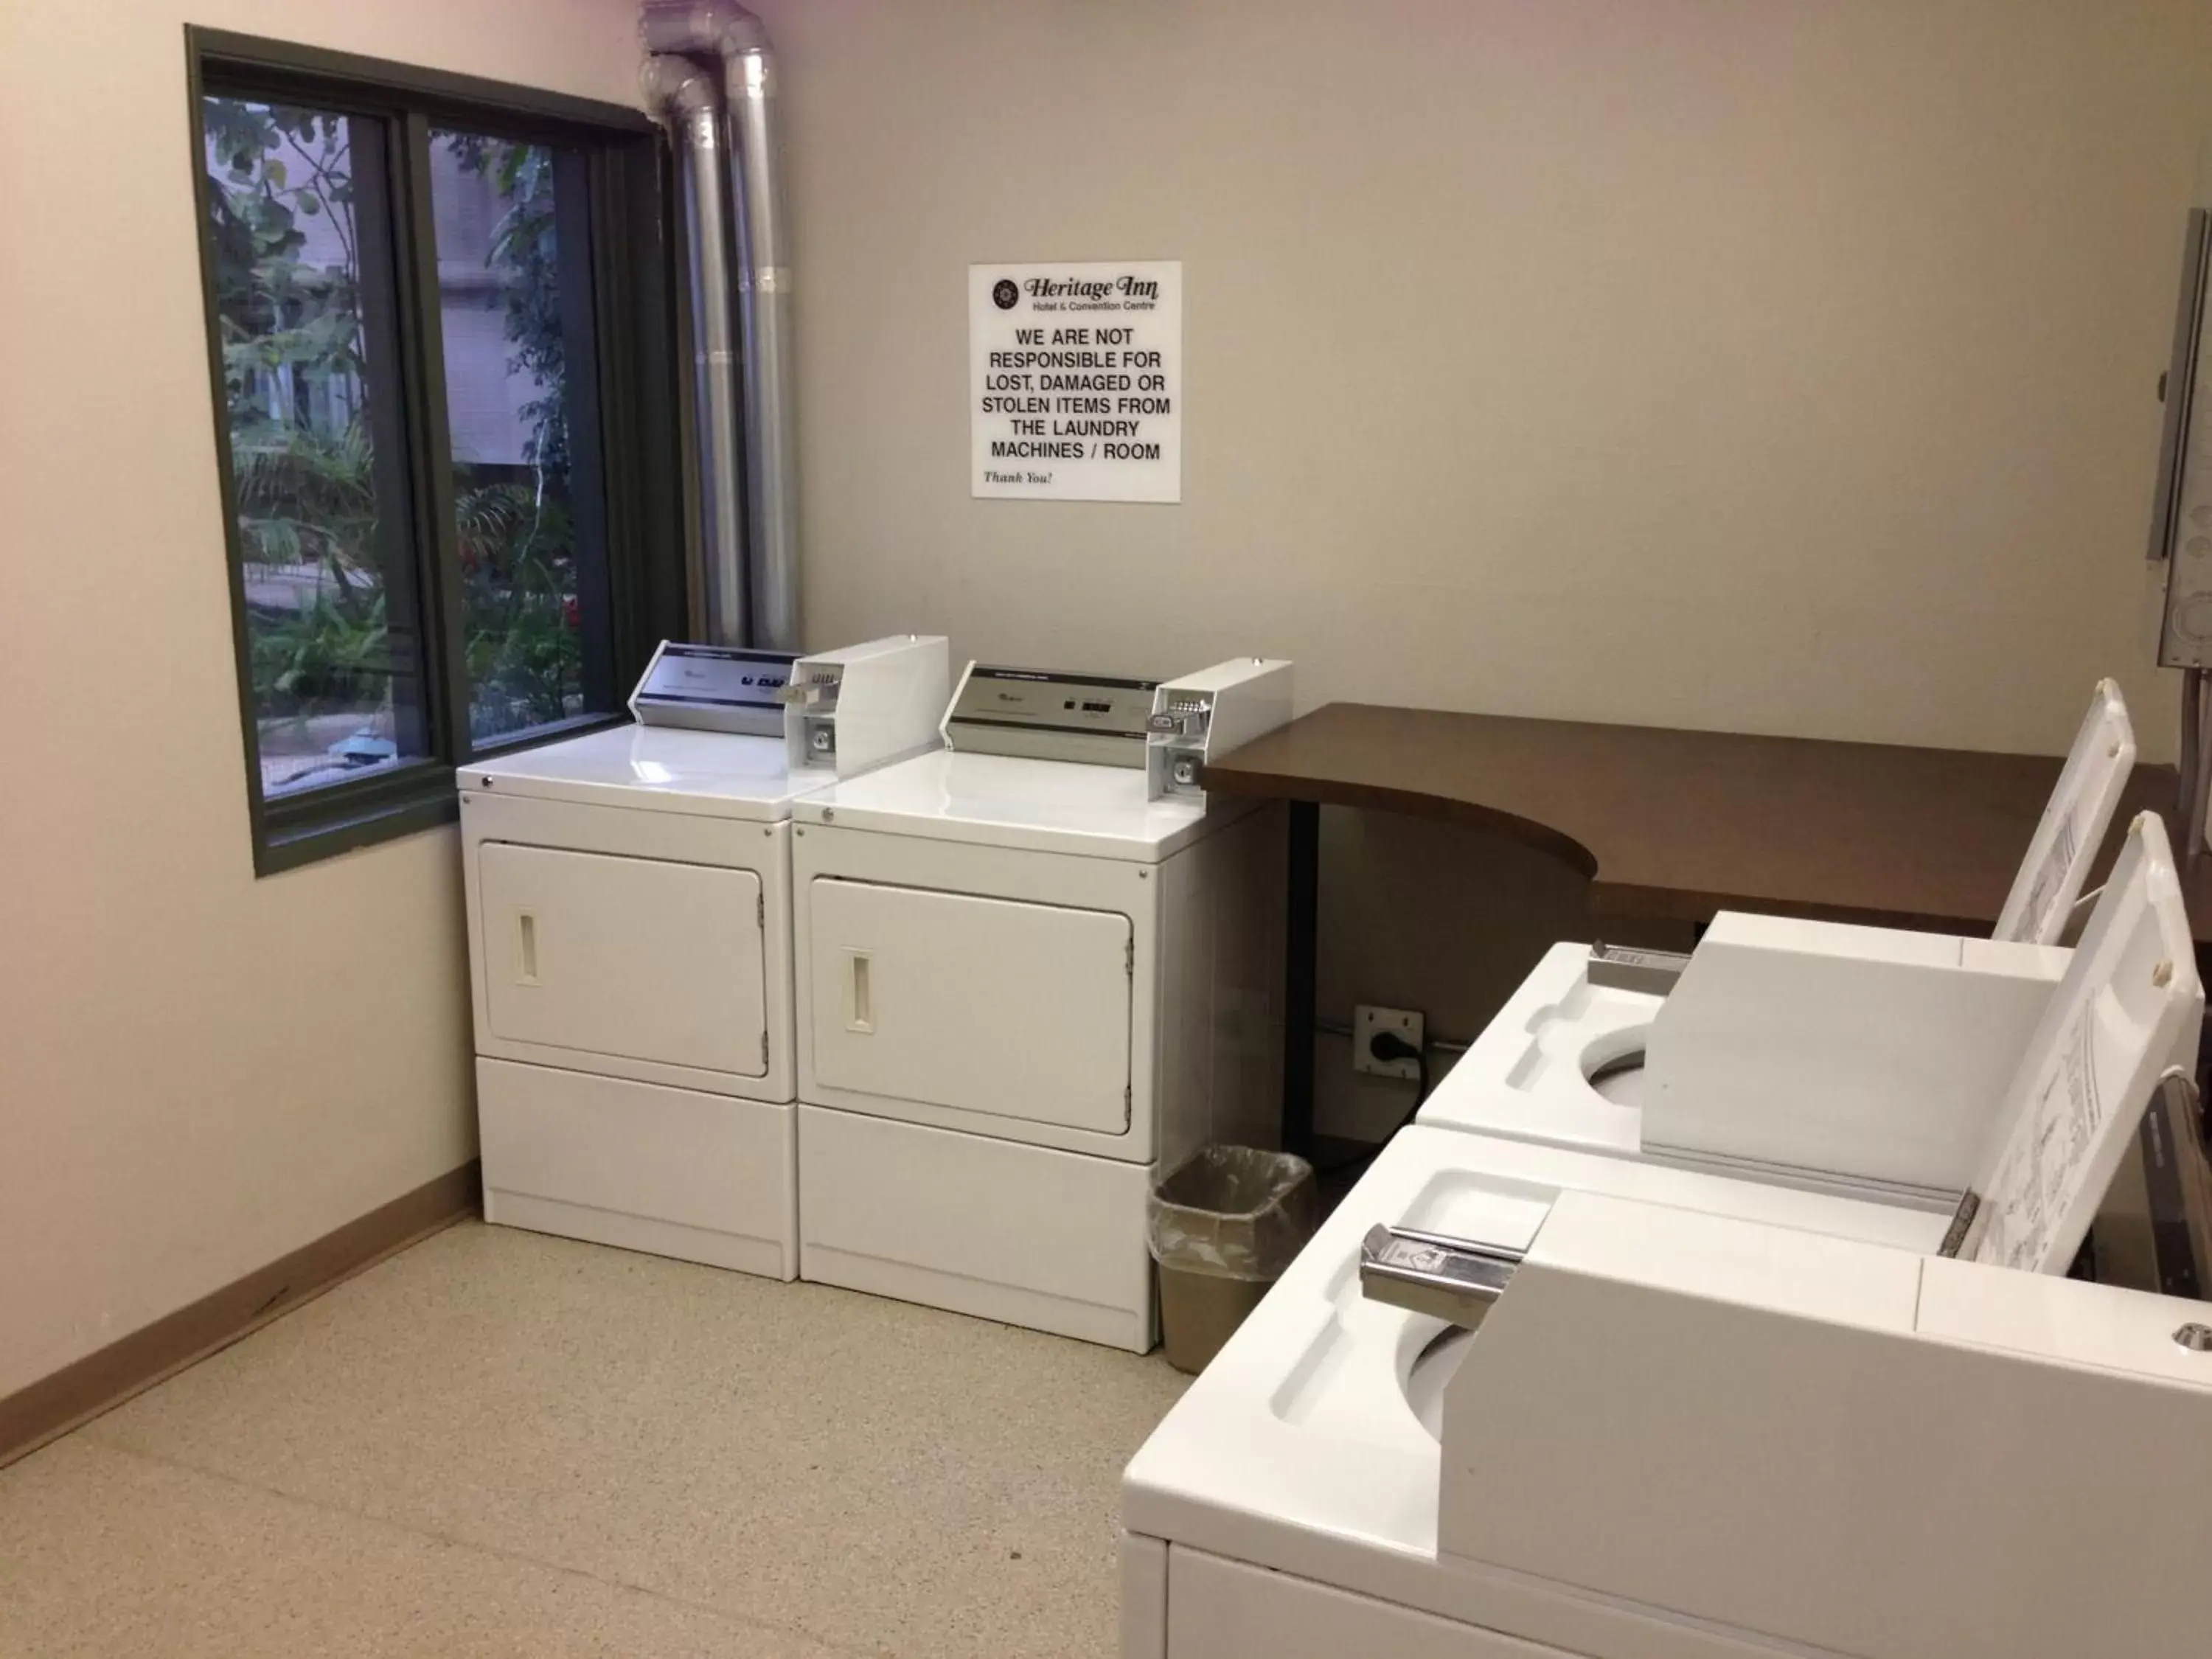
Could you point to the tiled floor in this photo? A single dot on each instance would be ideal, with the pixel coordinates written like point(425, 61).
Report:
point(503, 1443)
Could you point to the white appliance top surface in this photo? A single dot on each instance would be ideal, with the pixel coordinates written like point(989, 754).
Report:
point(656, 768)
point(1524, 1077)
point(1058, 806)
point(1297, 1448)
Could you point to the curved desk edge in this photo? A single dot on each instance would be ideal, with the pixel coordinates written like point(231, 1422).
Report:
point(1413, 802)
point(1680, 824)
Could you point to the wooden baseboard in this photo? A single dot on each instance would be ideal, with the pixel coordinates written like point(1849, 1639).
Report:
point(101, 1380)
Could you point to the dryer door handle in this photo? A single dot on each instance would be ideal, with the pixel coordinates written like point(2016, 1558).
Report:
point(859, 994)
point(526, 947)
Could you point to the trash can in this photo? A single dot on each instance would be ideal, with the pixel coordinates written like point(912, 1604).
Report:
point(1222, 1228)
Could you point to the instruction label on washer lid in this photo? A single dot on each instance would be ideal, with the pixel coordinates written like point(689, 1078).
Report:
point(2050, 876)
point(1075, 381)
point(2046, 1160)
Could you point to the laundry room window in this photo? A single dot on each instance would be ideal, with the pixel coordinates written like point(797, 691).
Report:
point(439, 327)
point(515, 278)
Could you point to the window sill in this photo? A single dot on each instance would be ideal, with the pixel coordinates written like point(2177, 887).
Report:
point(311, 829)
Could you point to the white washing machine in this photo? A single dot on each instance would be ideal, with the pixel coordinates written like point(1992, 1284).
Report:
point(1812, 1051)
point(1520, 1400)
point(1288, 1506)
point(628, 902)
point(1036, 968)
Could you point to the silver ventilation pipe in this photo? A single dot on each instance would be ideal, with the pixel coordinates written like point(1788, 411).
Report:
point(692, 104)
point(737, 41)
point(764, 302)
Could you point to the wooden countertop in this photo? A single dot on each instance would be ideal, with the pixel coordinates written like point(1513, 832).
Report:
point(1680, 824)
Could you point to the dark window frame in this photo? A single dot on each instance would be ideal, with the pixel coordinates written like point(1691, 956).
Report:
point(635, 445)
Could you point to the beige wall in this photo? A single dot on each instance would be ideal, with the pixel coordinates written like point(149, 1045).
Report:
point(1755, 364)
point(1764, 365)
point(198, 1071)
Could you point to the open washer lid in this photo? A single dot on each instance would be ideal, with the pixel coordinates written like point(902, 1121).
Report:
point(2129, 1008)
point(2071, 832)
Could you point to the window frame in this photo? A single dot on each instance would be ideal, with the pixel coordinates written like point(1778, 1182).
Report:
point(629, 263)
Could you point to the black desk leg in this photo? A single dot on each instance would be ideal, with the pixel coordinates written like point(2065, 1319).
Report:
point(1302, 923)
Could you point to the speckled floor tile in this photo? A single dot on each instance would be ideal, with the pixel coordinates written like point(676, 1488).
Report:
point(102, 1552)
point(869, 1475)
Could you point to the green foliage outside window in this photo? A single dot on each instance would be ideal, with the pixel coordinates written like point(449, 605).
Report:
point(518, 540)
point(291, 343)
point(307, 506)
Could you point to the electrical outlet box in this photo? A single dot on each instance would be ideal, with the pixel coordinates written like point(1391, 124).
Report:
point(1399, 1021)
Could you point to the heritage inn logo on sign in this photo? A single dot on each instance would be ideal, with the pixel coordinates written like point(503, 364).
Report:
point(1123, 293)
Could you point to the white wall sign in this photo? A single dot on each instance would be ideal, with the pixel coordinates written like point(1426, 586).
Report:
point(1075, 380)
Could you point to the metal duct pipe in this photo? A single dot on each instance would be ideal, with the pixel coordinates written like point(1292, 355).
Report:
point(687, 96)
point(765, 303)
point(740, 43)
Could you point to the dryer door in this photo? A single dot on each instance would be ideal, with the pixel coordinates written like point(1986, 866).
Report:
point(1016, 1010)
point(636, 958)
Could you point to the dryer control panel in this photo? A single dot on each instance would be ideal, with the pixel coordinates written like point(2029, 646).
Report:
point(1047, 713)
point(714, 687)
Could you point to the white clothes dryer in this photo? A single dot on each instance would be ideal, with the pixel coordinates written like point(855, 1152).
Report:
point(1036, 969)
point(629, 897)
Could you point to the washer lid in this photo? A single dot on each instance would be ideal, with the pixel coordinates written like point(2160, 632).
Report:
point(1053, 806)
point(2129, 1006)
point(654, 769)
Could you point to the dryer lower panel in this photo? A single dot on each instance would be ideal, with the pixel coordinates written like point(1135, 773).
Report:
point(673, 1171)
point(1030, 1235)
point(1222, 1609)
